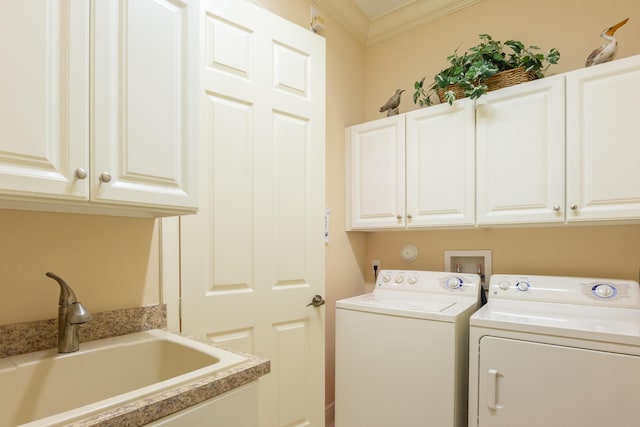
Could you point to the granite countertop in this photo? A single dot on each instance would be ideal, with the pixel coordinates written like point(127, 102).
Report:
point(33, 336)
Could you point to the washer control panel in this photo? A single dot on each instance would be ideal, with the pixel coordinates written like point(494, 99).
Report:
point(428, 281)
point(576, 290)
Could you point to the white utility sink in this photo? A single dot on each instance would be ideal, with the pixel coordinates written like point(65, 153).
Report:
point(46, 388)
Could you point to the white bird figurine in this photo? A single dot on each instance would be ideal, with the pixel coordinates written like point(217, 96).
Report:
point(608, 51)
point(391, 106)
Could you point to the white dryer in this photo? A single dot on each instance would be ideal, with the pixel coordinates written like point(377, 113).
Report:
point(401, 351)
point(556, 352)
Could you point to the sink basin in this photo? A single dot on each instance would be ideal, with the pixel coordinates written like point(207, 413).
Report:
point(46, 388)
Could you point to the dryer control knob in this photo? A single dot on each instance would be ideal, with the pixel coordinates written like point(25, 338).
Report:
point(604, 291)
point(523, 286)
point(453, 282)
point(504, 285)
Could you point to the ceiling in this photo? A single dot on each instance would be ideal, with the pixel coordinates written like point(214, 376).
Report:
point(376, 8)
point(372, 21)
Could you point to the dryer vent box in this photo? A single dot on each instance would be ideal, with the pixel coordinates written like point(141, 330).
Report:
point(469, 261)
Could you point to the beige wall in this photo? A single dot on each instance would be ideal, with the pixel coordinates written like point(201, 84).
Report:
point(588, 251)
point(344, 252)
point(110, 262)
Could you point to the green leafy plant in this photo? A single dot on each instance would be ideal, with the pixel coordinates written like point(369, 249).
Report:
point(470, 70)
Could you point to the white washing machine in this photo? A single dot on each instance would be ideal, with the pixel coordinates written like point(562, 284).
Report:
point(402, 351)
point(556, 352)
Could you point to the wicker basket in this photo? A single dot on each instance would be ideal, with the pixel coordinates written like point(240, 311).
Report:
point(497, 81)
point(509, 78)
point(457, 90)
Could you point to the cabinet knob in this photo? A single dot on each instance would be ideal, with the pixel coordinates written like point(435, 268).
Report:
point(574, 207)
point(80, 173)
point(105, 177)
point(399, 218)
point(409, 218)
point(556, 208)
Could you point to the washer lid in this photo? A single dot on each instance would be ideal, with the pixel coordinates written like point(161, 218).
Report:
point(409, 304)
point(607, 324)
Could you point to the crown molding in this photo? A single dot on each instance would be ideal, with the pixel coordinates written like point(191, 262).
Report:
point(400, 20)
point(348, 16)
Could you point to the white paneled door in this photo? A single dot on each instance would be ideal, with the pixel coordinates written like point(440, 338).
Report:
point(252, 259)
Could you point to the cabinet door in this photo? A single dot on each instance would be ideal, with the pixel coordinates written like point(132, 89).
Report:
point(375, 174)
point(603, 148)
point(529, 384)
point(44, 108)
point(441, 165)
point(520, 145)
point(145, 109)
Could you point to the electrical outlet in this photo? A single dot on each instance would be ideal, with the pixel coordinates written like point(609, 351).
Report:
point(375, 265)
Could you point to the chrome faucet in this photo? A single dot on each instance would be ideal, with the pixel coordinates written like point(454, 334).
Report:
point(70, 314)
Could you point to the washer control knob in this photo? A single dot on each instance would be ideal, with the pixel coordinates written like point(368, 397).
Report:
point(523, 286)
point(604, 290)
point(504, 285)
point(453, 282)
point(412, 280)
point(399, 279)
point(386, 278)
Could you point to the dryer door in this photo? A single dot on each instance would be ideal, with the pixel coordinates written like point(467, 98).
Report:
point(529, 384)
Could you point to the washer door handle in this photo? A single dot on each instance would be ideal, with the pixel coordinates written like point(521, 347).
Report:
point(492, 389)
point(317, 301)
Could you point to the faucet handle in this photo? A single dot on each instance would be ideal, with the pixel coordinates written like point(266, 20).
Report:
point(78, 314)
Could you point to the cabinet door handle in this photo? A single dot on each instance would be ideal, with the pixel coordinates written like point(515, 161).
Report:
point(574, 207)
point(556, 208)
point(105, 177)
point(492, 389)
point(80, 173)
point(409, 218)
point(399, 217)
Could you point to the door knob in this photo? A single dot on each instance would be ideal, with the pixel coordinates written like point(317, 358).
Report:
point(317, 301)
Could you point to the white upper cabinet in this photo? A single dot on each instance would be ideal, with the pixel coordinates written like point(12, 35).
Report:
point(412, 170)
point(603, 146)
point(440, 165)
point(520, 160)
point(375, 175)
point(101, 113)
point(145, 115)
point(44, 119)
point(551, 151)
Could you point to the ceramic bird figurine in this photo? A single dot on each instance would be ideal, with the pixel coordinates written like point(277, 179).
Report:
point(391, 106)
point(608, 51)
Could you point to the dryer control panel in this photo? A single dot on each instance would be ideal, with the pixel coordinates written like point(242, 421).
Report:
point(562, 289)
